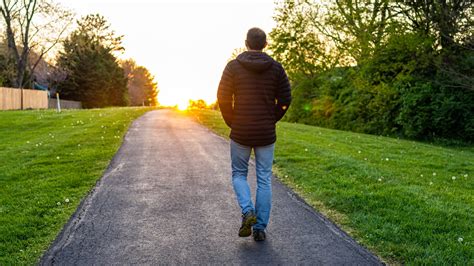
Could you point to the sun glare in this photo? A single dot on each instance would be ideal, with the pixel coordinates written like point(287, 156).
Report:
point(183, 106)
point(185, 44)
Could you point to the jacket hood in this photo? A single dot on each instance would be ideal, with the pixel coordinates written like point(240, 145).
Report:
point(255, 61)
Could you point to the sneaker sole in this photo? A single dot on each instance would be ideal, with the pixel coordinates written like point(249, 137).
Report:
point(247, 229)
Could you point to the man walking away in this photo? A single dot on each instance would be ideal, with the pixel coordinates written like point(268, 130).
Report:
point(254, 94)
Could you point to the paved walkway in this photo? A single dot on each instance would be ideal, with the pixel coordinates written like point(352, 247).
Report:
point(167, 198)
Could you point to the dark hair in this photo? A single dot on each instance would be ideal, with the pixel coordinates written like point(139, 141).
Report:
point(256, 39)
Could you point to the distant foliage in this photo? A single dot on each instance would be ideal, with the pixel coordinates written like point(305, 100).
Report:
point(198, 104)
point(380, 67)
point(236, 52)
point(94, 75)
point(142, 88)
point(6, 67)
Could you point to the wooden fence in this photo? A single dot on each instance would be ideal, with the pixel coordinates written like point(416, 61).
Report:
point(65, 104)
point(11, 99)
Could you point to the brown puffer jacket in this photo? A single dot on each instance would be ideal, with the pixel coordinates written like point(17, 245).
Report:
point(254, 93)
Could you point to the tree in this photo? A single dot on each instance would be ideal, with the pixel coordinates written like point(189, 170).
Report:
point(37, 25)
point(381, 67)
point(141, 87)
point(6, 66)
point(450, 24)
point(358, 26)
point(296, 43)
point(236, 52)
point(313, 36)
point(94, 76)
point(449, 21)
point(197, 104)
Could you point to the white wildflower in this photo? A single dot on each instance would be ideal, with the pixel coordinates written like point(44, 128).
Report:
point(28, 142)
point(453, 178)
point(431, 183)
point(380, 179)
point(58, 203)
point(305, 149)
point(66, 200)
point(465, 175)
point(360, 151)
point(421, 175)
point(386, 159)
point(102, 137)
point(79, 145)
point(434, 174)
point(460, 240)
point(365, 159)
point(57, 157)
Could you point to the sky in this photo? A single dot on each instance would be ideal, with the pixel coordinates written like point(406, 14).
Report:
point(184, 44)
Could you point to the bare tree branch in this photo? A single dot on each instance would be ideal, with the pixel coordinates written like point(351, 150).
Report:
point(19, 17)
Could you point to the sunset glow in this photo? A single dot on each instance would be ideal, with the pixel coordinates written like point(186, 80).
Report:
point(185, 44)
point(181, 103)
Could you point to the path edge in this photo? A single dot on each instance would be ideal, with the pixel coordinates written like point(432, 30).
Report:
point(67, 231)
point(354, 245)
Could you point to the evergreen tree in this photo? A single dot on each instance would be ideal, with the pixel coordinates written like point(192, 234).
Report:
point(94, 76)
point(141, 87)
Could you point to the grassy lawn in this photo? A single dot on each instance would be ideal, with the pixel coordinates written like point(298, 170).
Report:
point(409, 202)
point(49, 162)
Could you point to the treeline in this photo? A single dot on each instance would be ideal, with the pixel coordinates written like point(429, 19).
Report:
point(201, 104)
point(94, 76)
point(40, 48)
point(399, 68)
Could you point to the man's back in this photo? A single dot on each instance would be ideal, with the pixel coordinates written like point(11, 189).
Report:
point(253, 95)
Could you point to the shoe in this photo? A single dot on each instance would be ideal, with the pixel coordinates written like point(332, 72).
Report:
point(259, 235)
point(248, 220)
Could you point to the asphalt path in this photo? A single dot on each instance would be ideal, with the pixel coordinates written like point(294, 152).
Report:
point(167, 198)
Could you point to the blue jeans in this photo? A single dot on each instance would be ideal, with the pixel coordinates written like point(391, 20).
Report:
point(240, 156)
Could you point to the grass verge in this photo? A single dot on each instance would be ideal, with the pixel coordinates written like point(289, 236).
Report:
point(49, 162)
point(409, 202)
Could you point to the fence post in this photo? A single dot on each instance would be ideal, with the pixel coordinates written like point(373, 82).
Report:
point(57, 100)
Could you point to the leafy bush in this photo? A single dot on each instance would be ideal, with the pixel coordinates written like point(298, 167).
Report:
point(404, 89)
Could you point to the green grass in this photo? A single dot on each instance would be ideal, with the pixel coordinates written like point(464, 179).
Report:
point(47, 159)
point(409, 202)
